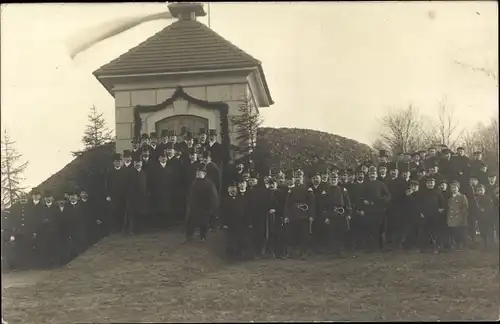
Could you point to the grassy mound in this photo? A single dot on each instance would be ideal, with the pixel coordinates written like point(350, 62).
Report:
point(277, 147)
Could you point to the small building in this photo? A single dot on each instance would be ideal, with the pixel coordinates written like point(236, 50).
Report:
point(186, 75)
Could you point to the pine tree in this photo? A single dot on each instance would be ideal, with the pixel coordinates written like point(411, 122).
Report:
point(96, 133)
point(12, 171)
point(246, 123)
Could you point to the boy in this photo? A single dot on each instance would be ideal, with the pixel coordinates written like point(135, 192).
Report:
point(457, 217)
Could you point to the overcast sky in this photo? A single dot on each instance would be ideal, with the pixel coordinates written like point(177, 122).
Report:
point(334, 67)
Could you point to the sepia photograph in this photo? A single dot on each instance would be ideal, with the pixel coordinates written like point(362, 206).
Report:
point(171, 162)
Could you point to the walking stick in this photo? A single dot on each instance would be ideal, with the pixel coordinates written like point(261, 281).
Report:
point(310, 227)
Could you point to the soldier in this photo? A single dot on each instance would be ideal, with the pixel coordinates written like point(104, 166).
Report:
point(236, 221)
point(48, 233)
point(335, 216)
point(299, 212)
point(431, 211)
point(136, 197)
point(202, 202)
point(376, 196)
point(215, 148)
point(457, 217)
point(18, 240)
point(115, 187)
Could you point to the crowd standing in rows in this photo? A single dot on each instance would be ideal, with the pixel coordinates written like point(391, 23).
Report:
point(431, 200)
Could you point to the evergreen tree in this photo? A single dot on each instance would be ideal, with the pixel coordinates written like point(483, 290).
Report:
point(246, 124)
point(96, 133)
point(12, 171)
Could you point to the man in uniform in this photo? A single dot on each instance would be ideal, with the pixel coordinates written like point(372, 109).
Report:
point(299, 212)
point(16, 228)
point(202, 202)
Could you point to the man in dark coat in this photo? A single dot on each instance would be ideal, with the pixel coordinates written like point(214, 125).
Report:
point(258, 213)
point(137, 197)
point(236, 221)
point(397, 187)
point(274, 220)
point(202, 202)
point(476, 163)
point(115, 187)
point(162, 190)
point(299, 212)
point(162, 146)
point(431, 158)
point(430, 213)
point(357, 223)
point(335, 216)
point(460, 164)
point(154, 149)
point(215, 148)
point(319, 239)
point(48, 233)
point(375, 199)
point(176, 195)
point(202, 140)
point(446, 166)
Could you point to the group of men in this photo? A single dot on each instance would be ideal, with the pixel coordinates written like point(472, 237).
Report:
point(50, 231)
point(431, 200)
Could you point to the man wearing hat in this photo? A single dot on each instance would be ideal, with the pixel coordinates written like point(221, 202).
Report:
point(135, 145)
point(202, 140)
point(383, 157)
point(433, 171)
point(213, 172)
point(153, 146)
point(163, 141)
point(334, 217)
point(476, 162)
point(47, 232)
point(460, 164)
point(236, 221)
point(397, 187)
point(319, 193)
point(446, 166)
point(258, 212)
point(215, 148)
point(457, 216)
point(431, 213)
point(187, 147)
point(16, 233)
point(137, 197)
point(376, 197)
point(202, 203)
point(299, 212)
point(144, 140)
point(115, 188)
point(162, 185)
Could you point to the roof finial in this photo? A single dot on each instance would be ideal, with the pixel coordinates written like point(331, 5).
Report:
point(186, 10)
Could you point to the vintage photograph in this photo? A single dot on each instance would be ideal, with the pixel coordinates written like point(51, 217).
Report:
point(167, 162)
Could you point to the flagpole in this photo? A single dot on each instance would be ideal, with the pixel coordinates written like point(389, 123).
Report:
point(208, 7)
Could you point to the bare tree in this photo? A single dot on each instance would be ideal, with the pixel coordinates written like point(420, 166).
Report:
point(484, 137)
point(96, 133)
point(12, 171)
point(403, 130)
point(447, 130)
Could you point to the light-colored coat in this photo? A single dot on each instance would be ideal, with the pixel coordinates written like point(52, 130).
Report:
point(458, 211)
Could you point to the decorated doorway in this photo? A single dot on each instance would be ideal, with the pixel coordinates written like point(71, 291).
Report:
point(176, 123)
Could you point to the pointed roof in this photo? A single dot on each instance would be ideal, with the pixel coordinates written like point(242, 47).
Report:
point(184, 45)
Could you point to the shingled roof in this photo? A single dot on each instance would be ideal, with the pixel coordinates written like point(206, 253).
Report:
point(184, 45)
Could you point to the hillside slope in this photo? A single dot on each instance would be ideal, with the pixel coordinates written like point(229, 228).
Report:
point(292, 147)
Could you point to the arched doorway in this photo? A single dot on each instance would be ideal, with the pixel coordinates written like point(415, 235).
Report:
point(176, 123)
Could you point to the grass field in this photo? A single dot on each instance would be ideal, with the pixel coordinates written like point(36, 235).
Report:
point(154, 277)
